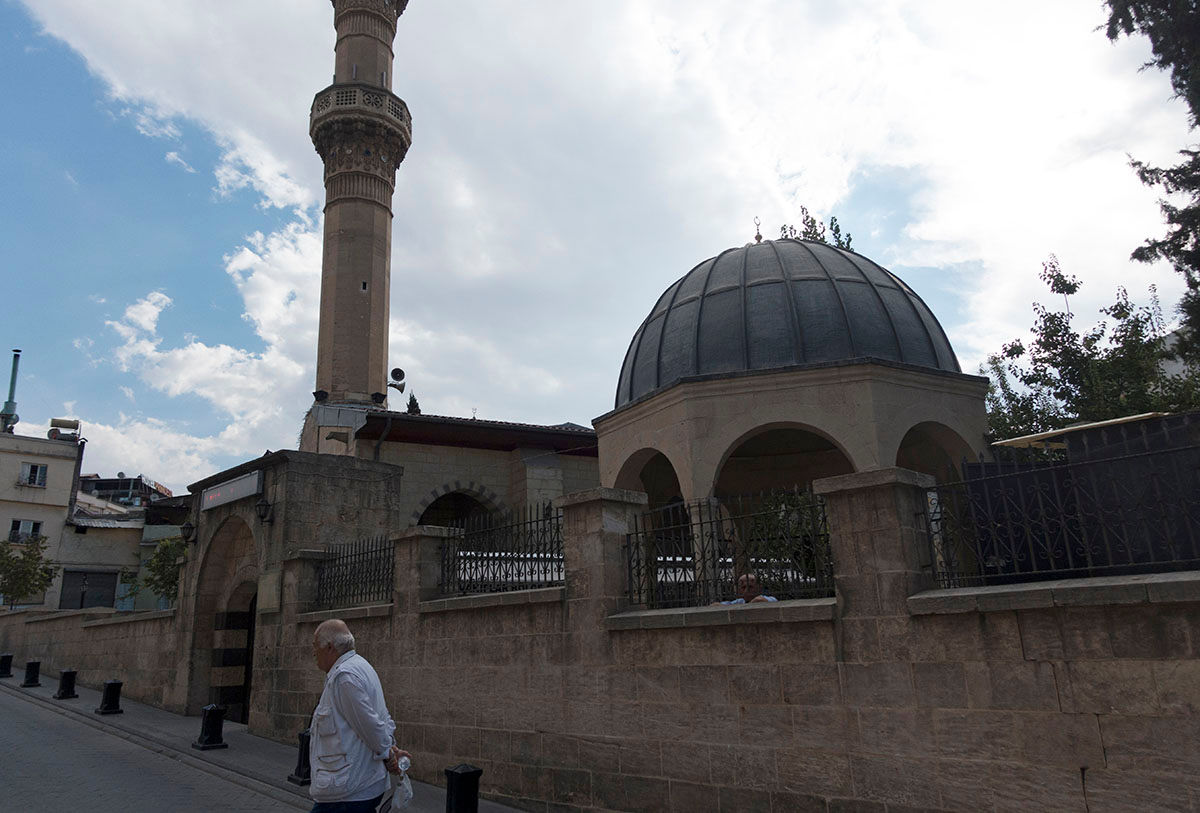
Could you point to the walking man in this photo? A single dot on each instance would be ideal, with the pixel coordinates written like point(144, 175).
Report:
point(352, 749)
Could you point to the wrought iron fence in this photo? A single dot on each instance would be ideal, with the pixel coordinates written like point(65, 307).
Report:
point(500, 552)
point(357, 573)
point(691, 554)
point(1027, 520)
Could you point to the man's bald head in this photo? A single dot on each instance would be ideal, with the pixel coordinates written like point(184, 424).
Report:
point(331, 640)
point(335, 633)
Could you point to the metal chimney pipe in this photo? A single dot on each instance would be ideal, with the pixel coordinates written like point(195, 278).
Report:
point(8, 415)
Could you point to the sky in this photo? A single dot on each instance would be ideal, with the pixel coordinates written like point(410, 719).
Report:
point(161, 218)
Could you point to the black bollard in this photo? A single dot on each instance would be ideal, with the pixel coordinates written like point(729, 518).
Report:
point(462, 789)
point(303, 773)
point(5, 664)
point(212, 718)
point(66, 685)
point(110, 702)
point(32, 668)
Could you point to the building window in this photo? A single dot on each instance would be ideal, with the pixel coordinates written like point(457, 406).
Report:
point(33, 474)
point(22, 529)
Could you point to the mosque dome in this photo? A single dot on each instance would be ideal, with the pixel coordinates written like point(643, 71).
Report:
point(778, 304)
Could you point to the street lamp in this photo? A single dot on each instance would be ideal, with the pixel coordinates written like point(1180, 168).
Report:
point(264, 510)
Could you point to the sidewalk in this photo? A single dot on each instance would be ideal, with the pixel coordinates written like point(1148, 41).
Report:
point(252, 762)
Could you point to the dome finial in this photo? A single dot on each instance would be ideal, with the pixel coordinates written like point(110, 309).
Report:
point(757, 231)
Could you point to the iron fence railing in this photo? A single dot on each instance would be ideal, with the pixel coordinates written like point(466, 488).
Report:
point(356, 573)
point(1027, 520)
point(691, 554)
point(500, 552)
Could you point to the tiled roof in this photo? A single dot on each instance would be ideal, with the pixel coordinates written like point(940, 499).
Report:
point(106, 522)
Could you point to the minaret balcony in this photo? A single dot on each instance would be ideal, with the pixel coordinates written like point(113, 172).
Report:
point(360, 101)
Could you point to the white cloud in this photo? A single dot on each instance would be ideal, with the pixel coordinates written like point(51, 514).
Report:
point(564, 175)
point(174, 158)
point(154, 124)
point(127, 392)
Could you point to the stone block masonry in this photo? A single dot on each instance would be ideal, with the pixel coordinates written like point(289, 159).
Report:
point(888, 697)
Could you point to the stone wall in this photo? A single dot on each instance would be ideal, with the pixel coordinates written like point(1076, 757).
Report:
point(100, 644)
point(1064, 695)
point(1067, 695)
point(497, 479)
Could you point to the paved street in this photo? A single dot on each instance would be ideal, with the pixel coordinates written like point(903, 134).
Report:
point(52, 763)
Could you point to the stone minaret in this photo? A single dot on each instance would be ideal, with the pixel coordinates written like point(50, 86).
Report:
point(361, 131)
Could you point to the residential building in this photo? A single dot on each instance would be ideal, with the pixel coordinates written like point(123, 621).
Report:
point(37, 486)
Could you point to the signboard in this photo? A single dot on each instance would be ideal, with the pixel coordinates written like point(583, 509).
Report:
point(245, 486)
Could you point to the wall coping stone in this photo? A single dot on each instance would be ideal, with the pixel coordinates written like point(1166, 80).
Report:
point(367, 611)
point(872, 479)
point(792, 610)
point(1143, 588)
point(536, 596)
point(56, 615)
point(437, 531)
point(132, 617)
point(292, 554)
point(607, 494)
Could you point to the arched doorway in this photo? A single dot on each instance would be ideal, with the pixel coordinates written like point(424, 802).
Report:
point(452, 510)
point(934, 449)
point(233, 653)
point(778, 458)
point(225, 616)
point(651, 471)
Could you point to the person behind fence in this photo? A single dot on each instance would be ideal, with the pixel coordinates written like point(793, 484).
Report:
point(351, 746)
point(749, 591)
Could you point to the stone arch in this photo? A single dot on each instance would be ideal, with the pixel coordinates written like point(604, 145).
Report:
point(476, 491)
point(779, 455)
point(224, 619)
point(935, 449)
point(452, 509)
point(651, 471)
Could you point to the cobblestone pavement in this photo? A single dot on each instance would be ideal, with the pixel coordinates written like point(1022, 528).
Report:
point(53, 763)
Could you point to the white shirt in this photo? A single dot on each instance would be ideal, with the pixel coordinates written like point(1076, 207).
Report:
point(351, 734)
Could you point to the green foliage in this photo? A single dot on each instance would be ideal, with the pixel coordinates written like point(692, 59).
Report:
point(813, 229)
point(1065, 376)
point(24, 571)
point(162, 570)
point(1173, 28)
point(413, 407)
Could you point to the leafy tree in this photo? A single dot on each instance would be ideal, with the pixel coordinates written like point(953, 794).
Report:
point(1173, 28)
point(162, 568)
point(128, 577)
point(1065, 376)
point(24, 571)
point(813, 229)
point(413, 407)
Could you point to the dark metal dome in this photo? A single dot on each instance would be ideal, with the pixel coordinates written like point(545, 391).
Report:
point(780, 303)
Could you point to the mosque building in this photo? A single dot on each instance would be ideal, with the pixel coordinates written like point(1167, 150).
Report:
point(767, 366)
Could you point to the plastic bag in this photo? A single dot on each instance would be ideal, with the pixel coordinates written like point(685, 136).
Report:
point(402, 792)
point(402, 789)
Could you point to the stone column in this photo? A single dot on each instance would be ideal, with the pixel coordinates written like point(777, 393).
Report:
point(298, 590)
point(879, 546)
point(418, 566)
point(595, 523)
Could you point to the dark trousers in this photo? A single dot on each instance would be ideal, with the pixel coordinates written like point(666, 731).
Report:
point(367, 806)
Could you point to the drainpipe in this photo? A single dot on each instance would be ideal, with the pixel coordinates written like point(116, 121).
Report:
point(8, 414)
point(387, 428)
